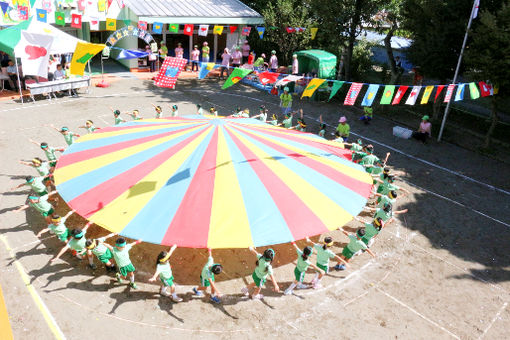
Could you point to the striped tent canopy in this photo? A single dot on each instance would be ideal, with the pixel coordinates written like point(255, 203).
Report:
point(199, 181)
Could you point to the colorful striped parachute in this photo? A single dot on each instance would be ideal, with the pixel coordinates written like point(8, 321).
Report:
point(199, 181)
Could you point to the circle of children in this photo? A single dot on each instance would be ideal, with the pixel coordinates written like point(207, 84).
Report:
point(116, 257)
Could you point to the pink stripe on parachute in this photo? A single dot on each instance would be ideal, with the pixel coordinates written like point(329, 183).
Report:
point(301, 221)
point(190, 225)
point(350, 183)
point(103, 150)
point(96, 198)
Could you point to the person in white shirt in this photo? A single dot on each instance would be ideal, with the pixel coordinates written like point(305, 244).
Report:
point(236, 57)
point(246, 51)
point(225, 61)
point(295, 65)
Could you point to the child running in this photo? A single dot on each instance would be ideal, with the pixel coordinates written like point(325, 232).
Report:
point(68, 135)
point(121, 256)
point(175, 110)
point(260, 274)
point(41, 204)
point(103, 253)
point(116, 116)
point(323, 256)
point(76, 244)
point(207, 279)
point(89, 126)
point(164, 270)
point(135, 115)
point(50, 152)
point(303, 262)
point(37, 184)
point(354, 247)
point(58, 227)
point(159, 111)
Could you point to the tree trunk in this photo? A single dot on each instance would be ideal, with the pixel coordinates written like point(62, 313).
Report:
point(389, 53)
point(352, 38)
point(494, 122)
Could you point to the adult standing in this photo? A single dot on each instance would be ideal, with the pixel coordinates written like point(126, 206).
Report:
point(295, 64)
point(424, 130)
point(246, 51)
point(195, 54)
point(225, 61)
point(163, 52)
point(148, 51)
point(273, 62)
point(236, 57)
point(179, 51)
point(206, 51)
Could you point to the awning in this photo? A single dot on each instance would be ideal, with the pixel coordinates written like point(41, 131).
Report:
point(194, 12)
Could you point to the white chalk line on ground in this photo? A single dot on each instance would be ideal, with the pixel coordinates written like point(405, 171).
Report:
point(493, 320)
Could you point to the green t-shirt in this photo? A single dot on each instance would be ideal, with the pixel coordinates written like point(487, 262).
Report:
point(323, 255)
point(382, 214)
point(50, 153)
point(158, 114)
point(164, 270)
point(206, 271)
point(387, 187)
point(78, 245)
point(164, 51)
point(356, 147)
point(260, 270)
point(273, 122)
point(118, 120)
point(43, 205)
point(122, 256)
point(91, 129)
point(355, 245)
point(368, 111)
point(205, 51)
point(385, 199)
point(343, 129)
point(286, 99)
point(322, 133)
point(262, 117)
point(37, 185)
point(259, 62)
point(370, 160)
point(100, 249)
point(69, 137)
point(60, 228)
point(302, 265)
point(43, 169)
point(287, 123)
point(358, 155)
point(370, 232)
point(175, 113)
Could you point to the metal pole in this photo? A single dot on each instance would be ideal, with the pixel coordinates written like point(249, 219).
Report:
point(19, 81)
point(447, 109)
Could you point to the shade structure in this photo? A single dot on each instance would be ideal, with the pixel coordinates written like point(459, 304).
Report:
point(199, 182)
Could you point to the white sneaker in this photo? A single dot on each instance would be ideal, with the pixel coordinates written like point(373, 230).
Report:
point(257, 297)
point(302, 286)
point(245, 291)
point(317, 285)
point(176, 299)
point(164, 292)
point(287, 292)
point(314, 281)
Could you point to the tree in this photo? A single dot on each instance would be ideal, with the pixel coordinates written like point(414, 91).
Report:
point(487, 57)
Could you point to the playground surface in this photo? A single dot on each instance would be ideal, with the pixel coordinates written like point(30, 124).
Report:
point(442, 270)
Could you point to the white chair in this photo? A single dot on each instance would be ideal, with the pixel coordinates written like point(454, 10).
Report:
point(5, 76)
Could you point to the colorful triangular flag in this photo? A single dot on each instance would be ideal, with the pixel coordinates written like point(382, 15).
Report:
point(205, 68)
point(313, 32)
point(82, 54)
point(400, 93)
point(33, 48)
point(459, 95)
point(353, 93)
point(101, 5)
point(76, 20)
point(413, 96)
point(260, 31)
point(218, 29)
point(473, 91)
point(291, 30)
point(23, 12)
point(246, 31)
point(426, 94)
point(387, 94)
point(188, 29)
point(4, 6)
point(438, 92)
point(337, 85)
point(312, 86)
point(236, 76)
point(203, 30)
point(94, 23)
point(157, 27)
point(370, 95)
point(81, 5)
point(232, 29)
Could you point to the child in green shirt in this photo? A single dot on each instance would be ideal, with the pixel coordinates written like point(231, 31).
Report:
point(68, 135)
point(354, 247)
point(175, 110)
point(116, 116)
point(89, 126)
point(58, 227)
point(50, 152)
point(37, 184)
point(159, 111)
point(262, 270)
point(164, 270)
point(135, 115)
point(323, 256)
point(42, 167)
point(207, 279)
point(76, 244)
point(303, 262)
point(322, 128)
point(41, 204)
point(102, 252)
point(121, 256)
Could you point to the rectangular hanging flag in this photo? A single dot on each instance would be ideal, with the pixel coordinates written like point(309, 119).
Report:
point(313, 32)
point(387, 94)
point(42, 15)
point(76, 20)
point(400, 93)
point(300, 29)
point(174, 28)
point(205, 68)
point(111, 24)
point(81, 5)
point(268, 77)
point(33, 49)
point(142, 25)
point(449, 93)
point(370, 95)
point(94, 24)
point(473, 91)
point(337, 85)
point(246, 31)
point(413, 96)
point(426, 94)
point(353, 93)
point(459, 95)
point(260, 31)
point(438, 92)
point(236, 76)
point(485, 89)
point(157, 27)
point(167, 76)
point(188, 29)
point(291, 30)
point(60, 18)
point(23, 12)
point(203, 30)
point(232, 29)
point(101, 5)
point(82, 54)
point(218, 29)
point(313, 85)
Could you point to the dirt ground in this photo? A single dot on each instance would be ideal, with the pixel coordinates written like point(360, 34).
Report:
point(442, 270)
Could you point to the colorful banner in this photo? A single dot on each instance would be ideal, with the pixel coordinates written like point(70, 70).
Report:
point(459, 95)
point(94, 23)
point(82, 54)
point(33, 49)
point(23, 13)
point(236, 76)
point(188, 29)
point(426, 94)
point(203, 30)
point(167, 76)
point(218, 29)
point(111, 24)
point(300, 29)
point(174, 28)
point(101, 5)
point(370, 95)
point(129, 31)
point(142, 25)
point(60, 18)
point(291, 30)
point(288, 79)
point(337, 85)
point(353, 93)
point(413, 96)
point(205, 68)
point(81, 5)
point(246, 31)
point(42, 15)
point(260, 31)
point(449, 93)
point(232, 29)
point(157, 28)
point(438, 92)
point(76, 20)
point(313, 32)
point(313, 85)
point(473, 91)
point(400, 93)
point(485, 89)
point(4, 6)
point(268, 77)
point(387, 94)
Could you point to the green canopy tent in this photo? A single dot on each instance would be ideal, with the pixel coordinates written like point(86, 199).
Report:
point(10, 37)
point(317, 61)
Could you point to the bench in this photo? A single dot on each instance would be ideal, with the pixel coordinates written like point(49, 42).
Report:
point(50, 87)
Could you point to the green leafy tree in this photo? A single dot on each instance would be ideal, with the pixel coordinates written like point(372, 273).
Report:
point(487, 57)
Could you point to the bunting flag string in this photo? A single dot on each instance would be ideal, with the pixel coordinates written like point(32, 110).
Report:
point(337, 85)
point(370, 95)
point(400, 93)
point(426, 94)
point(459, 95)
point(438, 92)
point(353, 93)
